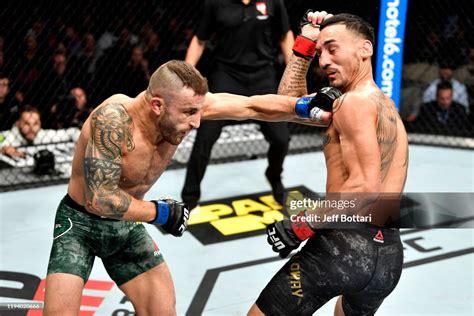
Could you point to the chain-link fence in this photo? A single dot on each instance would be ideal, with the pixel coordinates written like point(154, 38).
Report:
point(438, 77)
point(64, 58)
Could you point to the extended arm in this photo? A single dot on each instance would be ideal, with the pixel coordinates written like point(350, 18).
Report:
point(12, 139)
point(268, 107)
point(8, 150)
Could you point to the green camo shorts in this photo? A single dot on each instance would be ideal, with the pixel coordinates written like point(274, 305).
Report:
point(126, 248)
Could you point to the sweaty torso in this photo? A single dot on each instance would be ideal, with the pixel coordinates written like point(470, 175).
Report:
point(392, 145)
point(141, 166)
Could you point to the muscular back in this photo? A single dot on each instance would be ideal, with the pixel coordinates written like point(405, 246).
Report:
point(393, 144)
point(366, 146)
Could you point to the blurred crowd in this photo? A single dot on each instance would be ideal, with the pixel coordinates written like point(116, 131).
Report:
point(437, 94)
point(67, 59)
point(65, 67)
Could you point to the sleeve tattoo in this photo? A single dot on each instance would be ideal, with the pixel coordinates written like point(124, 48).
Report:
point(111, 131)
point(293, 82)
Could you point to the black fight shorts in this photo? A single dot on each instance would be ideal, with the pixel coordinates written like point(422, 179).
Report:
point(363, 266)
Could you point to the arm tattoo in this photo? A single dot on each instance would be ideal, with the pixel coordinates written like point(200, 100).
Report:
point(111, 129)
point(111, 126)
point(102, 177)
point(293, 82)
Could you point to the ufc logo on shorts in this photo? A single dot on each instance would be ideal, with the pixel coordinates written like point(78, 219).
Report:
point(275, 240)
point(184, 225)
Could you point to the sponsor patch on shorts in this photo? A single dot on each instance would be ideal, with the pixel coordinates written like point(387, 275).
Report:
point(62, 227)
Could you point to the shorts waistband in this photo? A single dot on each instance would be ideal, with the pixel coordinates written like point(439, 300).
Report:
point(67, 200)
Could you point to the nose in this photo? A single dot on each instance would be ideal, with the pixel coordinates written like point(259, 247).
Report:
point(324, 61)
point(196, 120)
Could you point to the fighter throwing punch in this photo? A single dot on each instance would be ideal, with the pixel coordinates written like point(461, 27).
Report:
point(366, 154)
point(124, 147)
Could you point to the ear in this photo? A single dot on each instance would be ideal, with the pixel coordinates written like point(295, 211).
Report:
point(367, 50)
point(157, 105)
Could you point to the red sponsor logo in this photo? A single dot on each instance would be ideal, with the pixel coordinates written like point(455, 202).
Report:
point(87, 300)
point(262, 7)
point(379, 237)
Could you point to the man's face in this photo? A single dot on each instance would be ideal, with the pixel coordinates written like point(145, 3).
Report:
point(59, 63)
point(89, 41)
point(444, 97)
point(338, 51)
point(31, 43)
point(29, 125)
point(137, 55)
point(3, 87)
point(181, 114)
point(80, 96)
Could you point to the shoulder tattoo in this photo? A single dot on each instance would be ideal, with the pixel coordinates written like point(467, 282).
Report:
point(111, 127)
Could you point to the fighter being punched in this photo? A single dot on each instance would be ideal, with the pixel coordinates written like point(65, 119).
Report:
point(366, 156)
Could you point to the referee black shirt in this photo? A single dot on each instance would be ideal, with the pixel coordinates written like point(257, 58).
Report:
point(247, 35)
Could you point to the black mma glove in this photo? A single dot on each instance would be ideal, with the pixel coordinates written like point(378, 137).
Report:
point(286, 235)
point(312, 107)
point(303, 46)
point(172, 216)
point(304, 20)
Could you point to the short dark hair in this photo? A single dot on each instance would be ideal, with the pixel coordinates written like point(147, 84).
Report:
point(28, 108)
point(353, 23)
point(189, 76)
point(444, 85)
point(177, 74)
point(446, 64)
point(3, 75)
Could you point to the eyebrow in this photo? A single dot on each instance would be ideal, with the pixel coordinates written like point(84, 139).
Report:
point(190, 107)
point(329, 41)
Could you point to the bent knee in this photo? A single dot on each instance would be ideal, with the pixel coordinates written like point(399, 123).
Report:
point(167, 308)
point(155, 304)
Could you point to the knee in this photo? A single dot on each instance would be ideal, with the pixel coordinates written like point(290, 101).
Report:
point(166, 307)
point(169, 307)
